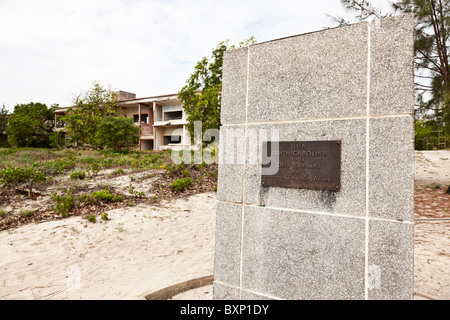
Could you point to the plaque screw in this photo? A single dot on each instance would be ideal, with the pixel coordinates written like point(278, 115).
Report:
point(337, 187)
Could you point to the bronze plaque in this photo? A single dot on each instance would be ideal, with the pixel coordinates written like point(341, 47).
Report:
point(302, 164)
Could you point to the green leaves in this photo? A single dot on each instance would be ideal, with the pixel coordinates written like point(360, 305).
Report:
point(117, 133)
point(201, 96)
point(16, 175)
point(30, 125)
point(432, 66)
point(3, 125)
point(84, 117)
point(181, 184)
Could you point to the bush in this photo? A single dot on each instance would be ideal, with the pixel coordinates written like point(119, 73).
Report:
point(118, 172)
point(433, 185)
point(105, 195)
point(27, 213)
point(95, 168)
point(56, 167)
point(15, 175)
point(181, 184)
point(64, 203)
point(57, 140)
point(117, 133)
point(30, 125)
point(92, 218)
point(174, 169)
point(78, 175)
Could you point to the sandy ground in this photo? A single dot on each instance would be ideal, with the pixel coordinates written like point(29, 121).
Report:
point(432, 166)
point(143, 249)
point(138, 251)
point(432, 226)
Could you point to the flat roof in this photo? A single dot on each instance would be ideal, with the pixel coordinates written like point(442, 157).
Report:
point(161, 98)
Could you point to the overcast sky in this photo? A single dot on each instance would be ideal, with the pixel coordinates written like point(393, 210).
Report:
point(51, 50)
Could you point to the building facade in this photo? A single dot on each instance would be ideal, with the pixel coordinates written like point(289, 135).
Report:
point(161, 119)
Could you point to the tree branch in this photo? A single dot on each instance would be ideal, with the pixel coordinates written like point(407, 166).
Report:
point(429, 59)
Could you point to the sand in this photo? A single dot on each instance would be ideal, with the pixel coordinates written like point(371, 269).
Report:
point(143, 249)
point(432, 166)
point(139, 250)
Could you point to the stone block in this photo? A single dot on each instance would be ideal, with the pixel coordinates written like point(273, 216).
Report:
point(296, 255)
point(391, 260)
point(224, 292)
point(351, 199)
point(391, 168)
point(228, 243)
point(392, 66)
point(234, 86)
point(317, 75)
point(248, 295)
point(231, 154)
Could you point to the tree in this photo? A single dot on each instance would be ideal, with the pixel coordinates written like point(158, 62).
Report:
point(30, 125)
point(87, 112)
point(117, 133)
point(432, 71)
point(3, 125)
point(57, 140)
point(201, 96)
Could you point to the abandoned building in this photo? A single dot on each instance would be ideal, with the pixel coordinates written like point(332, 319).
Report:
point(161, 119)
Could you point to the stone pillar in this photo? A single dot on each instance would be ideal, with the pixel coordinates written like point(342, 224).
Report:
point(351, 84)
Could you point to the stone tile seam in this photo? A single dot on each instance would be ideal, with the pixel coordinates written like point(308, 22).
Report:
point(367, 213)
point(317, 120)
point(241, 258)
point(245, 289)
point(327, 213)
point(261, 294)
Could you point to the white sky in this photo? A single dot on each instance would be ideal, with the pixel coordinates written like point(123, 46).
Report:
point(51, 50)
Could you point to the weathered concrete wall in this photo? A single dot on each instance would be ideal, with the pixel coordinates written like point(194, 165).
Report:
point(353, 84)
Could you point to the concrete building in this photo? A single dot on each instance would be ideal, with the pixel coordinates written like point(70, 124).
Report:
point(162, 120)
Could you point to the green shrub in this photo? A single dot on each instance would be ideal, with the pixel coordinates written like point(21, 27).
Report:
point(107, 162)
point(57, 167)
point(3, 213)
point(95, 168)
point(64, 203)
point(105, 216)
point(154, 158)
point(133, 191)
point(104, 195)
point(118, 133)
point(92, 218)
point(14, 175)
point(78, 175)
point(117, 172)
point(185, 173)
point(27, 213)
point(88, 160)
point(433, 185)
point(174, 169)
point(201, 165)
point(57, 140)
point(181, 184)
